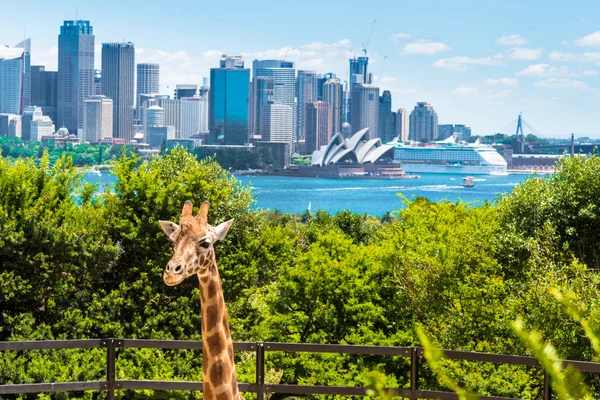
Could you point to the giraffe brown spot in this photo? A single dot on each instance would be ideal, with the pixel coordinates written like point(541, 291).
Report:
point(212, 316)
point(204, 279)
point(225, 323)
point(216, 343)
point(202, 298)
point(226, 395)
point(230, 354)
point(211, 289)
point(219, 372)
point(207, 392)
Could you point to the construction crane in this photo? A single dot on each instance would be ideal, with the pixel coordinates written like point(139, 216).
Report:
point(381, 70)
point(366, 44)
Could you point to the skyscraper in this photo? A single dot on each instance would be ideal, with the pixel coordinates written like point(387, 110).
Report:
point(358, 75)
point(401, 128)
point(43, 90)
point(12, 61)
point(423, 123)
point(386, 122)
point(365, 109)
point(228, 102)
point(321, 81)
point(262, 97)
point(191, 112)
point(75, 72)
point(26, 46)
point(307, 93)
point(284, 84)
point(173, 115)
point(118, 69)
point(97, 119)
point(445, 131)
point(279, 122)
point(97, 82)
point(148, 82)
point(186, 90)
point(318, 125)
point(333, 93)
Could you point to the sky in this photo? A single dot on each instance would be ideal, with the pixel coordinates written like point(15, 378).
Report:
point(478, 63)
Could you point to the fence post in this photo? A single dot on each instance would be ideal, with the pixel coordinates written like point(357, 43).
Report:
point(414, 372)
point(260, 370)
point(547, 387)
point(110, 367)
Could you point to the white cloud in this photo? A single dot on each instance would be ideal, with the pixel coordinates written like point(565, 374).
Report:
point(424, 48)
point(587, 56)
point(466, 91)
point(500, 94)
point(543, 70)
point(461, 63)
point(399, 37)
point(593, 39)
point(512, 40)
point(521, 53)
point(562, 83)
point(590, 72)
point(501, 81)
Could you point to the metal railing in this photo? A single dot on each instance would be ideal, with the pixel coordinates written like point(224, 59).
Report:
point(260, 348)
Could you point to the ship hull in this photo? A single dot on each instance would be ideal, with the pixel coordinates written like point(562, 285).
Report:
point(455, 169)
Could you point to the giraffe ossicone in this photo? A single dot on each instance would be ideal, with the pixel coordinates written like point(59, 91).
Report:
point(194, 254)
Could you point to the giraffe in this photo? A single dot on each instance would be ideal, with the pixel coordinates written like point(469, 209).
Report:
point(194, 254)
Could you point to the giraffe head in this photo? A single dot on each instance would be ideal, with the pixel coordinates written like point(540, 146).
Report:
point(193, 242)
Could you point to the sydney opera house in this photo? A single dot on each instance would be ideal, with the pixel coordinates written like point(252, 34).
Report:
point(353, 157)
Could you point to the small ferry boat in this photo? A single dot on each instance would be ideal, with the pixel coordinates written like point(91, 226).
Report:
point(469, 181)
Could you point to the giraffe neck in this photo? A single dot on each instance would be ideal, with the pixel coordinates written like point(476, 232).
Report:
point(218, 366)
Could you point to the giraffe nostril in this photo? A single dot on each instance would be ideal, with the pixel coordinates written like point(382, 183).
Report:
point(168, 269)
point(178, 269)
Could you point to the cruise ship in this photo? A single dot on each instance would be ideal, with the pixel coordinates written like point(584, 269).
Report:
point(448, 156)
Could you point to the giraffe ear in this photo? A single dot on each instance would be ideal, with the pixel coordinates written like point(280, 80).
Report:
point(168, 227)
point(222, 229)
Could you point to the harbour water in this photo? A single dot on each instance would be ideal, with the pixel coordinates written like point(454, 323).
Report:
point(373, 197)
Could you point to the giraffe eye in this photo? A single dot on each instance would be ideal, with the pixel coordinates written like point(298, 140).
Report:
point(205, 244)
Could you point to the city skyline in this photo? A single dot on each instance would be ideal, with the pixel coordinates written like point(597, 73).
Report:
point(504, 59)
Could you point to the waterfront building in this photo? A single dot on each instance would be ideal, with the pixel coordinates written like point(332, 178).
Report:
point(44, 86)
point(333, 93)
point(401, 124)
point(386, 120)
point(275, 153)
point(423, 123)
point(307, 93)
point(26, 46)
point(148, 82)
point(12, 64)
point(228, 102)
point(75, 72)
point(445, 131)
point(10, 125)
point(97, 119)
point(358, 149)
point(365, 109)
point(118, 66)
point(186, 90)
point(318, 125)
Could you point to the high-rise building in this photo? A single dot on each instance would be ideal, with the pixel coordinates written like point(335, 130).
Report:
point(284, 83)
point(185, 90)
point(358, 75)
point(12, 62)
point(10, 126)
point(97, 82)
point(155, 116)
point(148, 82)
point(35, 125)
point(262, 97)
point(333, 93)
point(191, 114)
point(319, 122)
point(401, 124)
point(97, 119)
point(386, 121)
point(307, 93)
point(445, 131)
point(118, 76)
point(44, 85)
point(228, 102)
point(462, 132)
point(321, 79)
point(365, 109)
point(26, 46)
point(423, 123)
point(279, 122)
point(75, 72)
point(173, 115)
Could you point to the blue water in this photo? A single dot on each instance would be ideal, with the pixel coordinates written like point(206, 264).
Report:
point(373, 197)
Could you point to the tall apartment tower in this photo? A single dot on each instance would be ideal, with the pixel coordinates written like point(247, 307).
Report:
point(43, 90)
point(97, 119)
point(358, 74)
point(401, 128)
point(75, 72)
point(386, 121)
point(228, 102)
point(12, 61)
point(319, 123)
point(148, 82)
point(423, 123)
point(26, 46)
point(307, 93)
point(262, 98)
point(365, 109)
point(118, 66)
point(278, 120)
point(333, 93)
